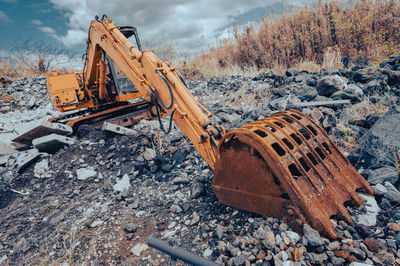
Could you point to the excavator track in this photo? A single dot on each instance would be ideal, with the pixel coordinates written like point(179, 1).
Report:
point(125, 115)
point(286, 166)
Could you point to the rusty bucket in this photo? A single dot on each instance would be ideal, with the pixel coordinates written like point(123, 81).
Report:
point(286, 166)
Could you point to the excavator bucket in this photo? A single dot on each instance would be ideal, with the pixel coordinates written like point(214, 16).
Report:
point(286, 166)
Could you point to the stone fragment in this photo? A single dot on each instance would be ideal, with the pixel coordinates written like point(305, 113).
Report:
point(52, 143)
point(312, 236)
point(149, 154)
point(382, 175)
point(41, 168)
point(327, 85)
point(198, 190)
point(25, 159)
point(269, 241)
point(118, 129)
point(372, 210)
point(138, 249)
point(372, 245)
point(379, 189)
point(123, 184)
point(85, 173)
point(46, 128)
point(392, 193)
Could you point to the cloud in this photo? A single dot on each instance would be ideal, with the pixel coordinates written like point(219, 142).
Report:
point(48, 30)
point(4, 18)
point(9, 1)
point(36, 22)
point(191, 24)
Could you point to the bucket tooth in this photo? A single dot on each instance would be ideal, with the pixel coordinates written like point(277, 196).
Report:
point(286, 166)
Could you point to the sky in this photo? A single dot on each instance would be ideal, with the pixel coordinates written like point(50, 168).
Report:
point(191, 25)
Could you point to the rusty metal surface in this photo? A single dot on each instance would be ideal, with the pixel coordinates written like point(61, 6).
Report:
point(125, 115)
point(286, 166)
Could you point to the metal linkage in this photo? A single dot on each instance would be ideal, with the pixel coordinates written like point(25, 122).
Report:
point(286, 166)
point(179, 253)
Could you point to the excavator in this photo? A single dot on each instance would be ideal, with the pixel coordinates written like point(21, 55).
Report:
point(283, 166)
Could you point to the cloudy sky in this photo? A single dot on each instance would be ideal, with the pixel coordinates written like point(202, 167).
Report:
point(190, 24)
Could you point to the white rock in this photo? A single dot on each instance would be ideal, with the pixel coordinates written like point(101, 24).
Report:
point(293, 237)
point(207, 252)
point(96, 223)
point(138, 249)
point(123, 184)
point(149, 154)
point(379, 189)
point(358, 264)
point(3, 259)
point(372, 208)
point(85, 173)
point(41, 168)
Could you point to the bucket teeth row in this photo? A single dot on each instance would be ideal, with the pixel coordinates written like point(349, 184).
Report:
point(286, 166)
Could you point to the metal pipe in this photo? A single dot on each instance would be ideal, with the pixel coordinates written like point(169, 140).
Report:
point(179, 253)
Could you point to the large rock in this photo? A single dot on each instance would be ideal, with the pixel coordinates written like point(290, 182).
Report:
point(312, 236)
point(392, 193)
point(382, 175)
point(372, 209)
point(378, 146)
point(52, 143)
point(328, 85)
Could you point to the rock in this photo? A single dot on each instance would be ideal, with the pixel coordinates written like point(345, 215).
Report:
point(372, 245)
point(290, 72)
point(119, 129)
point(354, 263)
point(382, 175)
point(364, 230)
point(269, 241)
point(379, 189)
point(219, 231)
point(25, 159)
point(394, 227)
point(207, 252)
point(337, 261)
point(52, 143)
point(195, 218)
point(392, 193)
point(377, 145)
point(351, 92)
point(327, 85)
point(123, 184)
point(305, 93)
point(239, 260)
point(312, 236)
point(182, 179)
point(316, 114)
point(41, 168)
point(198, 190)
point(85, 173)
point(149, 154)
point(293, 237)
point(130, 228)
point(175, 209)
point(368, 74)
point(372, 210)
point(138, 249)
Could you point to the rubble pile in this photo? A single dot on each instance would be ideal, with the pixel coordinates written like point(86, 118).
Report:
point(97, 199)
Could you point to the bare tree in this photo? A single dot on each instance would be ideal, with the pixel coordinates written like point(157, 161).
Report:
point(40, 55)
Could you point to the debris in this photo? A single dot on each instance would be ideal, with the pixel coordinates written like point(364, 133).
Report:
point(42, 130)
point(41, 168)
point(392, 193)
point(25, 159)
point(149, 154)
point(123, 184)
point(85, 173)
point(119, 129)
point(372, 210)
point(138, 249)
point(19, 192)
point(52, 143)
point(312, 236)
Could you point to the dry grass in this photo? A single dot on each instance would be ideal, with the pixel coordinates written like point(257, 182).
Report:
point(363, 30)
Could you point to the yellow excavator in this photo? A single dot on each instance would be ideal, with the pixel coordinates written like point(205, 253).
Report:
point(283, 166)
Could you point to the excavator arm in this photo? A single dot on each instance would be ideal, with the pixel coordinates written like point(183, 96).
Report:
point(155, 80)
point(283, 166)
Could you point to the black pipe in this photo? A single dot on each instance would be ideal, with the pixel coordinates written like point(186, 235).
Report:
point(179, 253)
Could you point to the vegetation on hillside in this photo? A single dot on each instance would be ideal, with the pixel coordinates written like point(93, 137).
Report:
point(309, 38)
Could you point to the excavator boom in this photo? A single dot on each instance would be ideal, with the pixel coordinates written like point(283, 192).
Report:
point(283, 166)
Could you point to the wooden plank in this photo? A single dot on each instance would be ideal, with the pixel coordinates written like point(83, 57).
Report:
point(322, 103)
